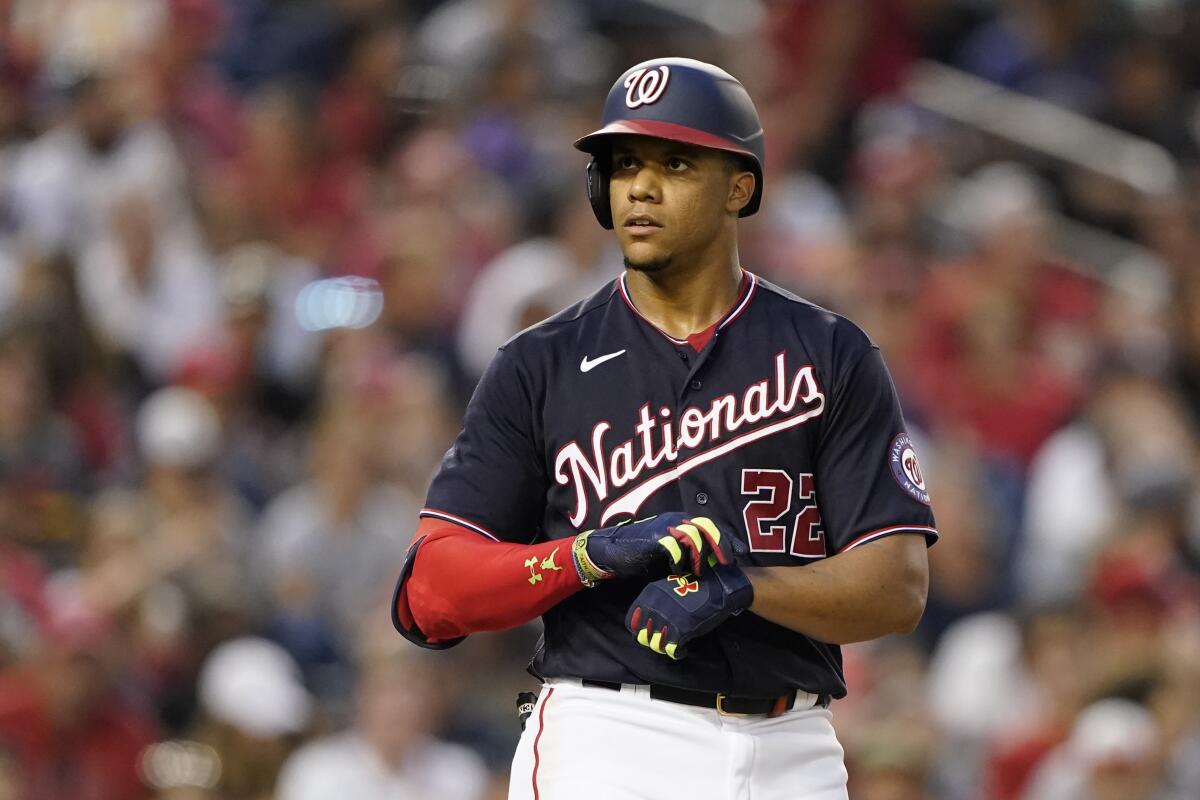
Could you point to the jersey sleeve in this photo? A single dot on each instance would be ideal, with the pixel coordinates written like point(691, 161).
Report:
point(869, 483)
point(492, 480)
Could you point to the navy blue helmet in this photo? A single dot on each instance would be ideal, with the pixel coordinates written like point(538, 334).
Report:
point(683, 100)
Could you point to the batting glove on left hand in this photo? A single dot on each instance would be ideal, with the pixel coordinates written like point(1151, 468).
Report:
point(671, 612)
point(672, 542)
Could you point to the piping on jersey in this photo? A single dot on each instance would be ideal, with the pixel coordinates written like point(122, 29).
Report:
point(729, 318)
point(572, 466)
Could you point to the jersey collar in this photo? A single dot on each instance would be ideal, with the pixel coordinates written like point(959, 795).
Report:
point(745, 293)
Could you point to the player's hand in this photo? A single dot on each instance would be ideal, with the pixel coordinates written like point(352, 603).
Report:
point(651, 547)
point(673, 611)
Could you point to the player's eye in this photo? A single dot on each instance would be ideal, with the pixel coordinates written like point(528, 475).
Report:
point(624, 162)
point(675, 164)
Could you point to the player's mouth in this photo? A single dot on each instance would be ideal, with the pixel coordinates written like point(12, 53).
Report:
point(641, 224)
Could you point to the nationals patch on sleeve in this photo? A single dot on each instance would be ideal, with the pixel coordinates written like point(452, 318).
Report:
point(902, 458)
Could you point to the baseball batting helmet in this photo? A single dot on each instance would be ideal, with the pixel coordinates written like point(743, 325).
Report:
point(682, 100)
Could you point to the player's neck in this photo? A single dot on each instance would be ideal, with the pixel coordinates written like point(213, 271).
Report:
point(681, 301)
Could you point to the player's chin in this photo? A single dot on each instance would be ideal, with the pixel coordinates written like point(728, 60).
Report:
point(646, 257)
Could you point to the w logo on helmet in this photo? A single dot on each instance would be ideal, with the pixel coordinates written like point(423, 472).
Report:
point(644, 86)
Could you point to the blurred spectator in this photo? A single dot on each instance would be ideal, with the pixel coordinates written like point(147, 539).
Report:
point(357, 112)
point(38, 450)
point(892, 765)
point(254, 708)
point(1112, 753)
point(203, 522)
point(457, 36)
point(194, 99)
point(391, 752)
point(1053, 647)
point(1051, 49)
point(825, 58)
point(78, 37)
point(340, 522)
point(413, 417)
point(284, 187)
point(1144, 96)
point(149, 292)
point(64, 183)
point(1006, 332)
point(534, 279)
point(259, 368)
point(62, 716)
point(1126, 466)
point(972, 574)
point(41, 465)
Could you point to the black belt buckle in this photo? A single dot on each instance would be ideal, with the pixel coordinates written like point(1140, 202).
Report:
point(724, 712)
point(754, 707)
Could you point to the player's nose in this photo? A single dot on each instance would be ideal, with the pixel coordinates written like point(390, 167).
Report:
point(645, 186)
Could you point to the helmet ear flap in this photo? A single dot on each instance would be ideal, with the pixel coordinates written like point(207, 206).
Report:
point(597, 192)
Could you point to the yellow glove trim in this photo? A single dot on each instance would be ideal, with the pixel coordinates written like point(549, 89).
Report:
point(709, 526)
point(673, 549)
point(693, 533)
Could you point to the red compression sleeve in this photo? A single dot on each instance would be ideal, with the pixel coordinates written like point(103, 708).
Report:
point(462, 583)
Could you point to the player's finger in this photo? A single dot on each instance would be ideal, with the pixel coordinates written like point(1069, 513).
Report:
point(689, 536)
point(659, 640)
point(656, 640)
point(674, 551)
point(712, 535)
point(635, 619)
point(643, 634)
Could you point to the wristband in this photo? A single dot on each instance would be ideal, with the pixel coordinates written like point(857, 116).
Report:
point(587, 570)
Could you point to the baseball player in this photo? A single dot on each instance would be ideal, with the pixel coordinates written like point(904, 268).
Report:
point(701, 483)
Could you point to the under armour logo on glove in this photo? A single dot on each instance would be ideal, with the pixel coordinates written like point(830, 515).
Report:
point(684, 584)
point(671, 612)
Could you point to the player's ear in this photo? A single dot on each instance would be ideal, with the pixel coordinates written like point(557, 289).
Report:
point(741, 189)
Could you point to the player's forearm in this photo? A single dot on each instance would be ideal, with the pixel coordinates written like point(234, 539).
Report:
point(868, 592)
point(462, 584)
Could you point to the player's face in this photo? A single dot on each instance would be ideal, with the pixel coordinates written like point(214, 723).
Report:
point(672, 202)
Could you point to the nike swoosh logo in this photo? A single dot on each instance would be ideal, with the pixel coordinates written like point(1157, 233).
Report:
point(588, 364)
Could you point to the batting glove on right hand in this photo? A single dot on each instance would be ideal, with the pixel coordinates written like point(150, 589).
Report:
point(673, 611)
point(650, 547)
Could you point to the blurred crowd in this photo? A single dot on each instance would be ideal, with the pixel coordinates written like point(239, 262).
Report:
point(255, 253)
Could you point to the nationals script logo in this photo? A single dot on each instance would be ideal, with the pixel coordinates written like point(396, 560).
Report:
point(644, 86)
point(787, 401)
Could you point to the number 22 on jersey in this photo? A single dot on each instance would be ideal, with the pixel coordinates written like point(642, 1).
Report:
point(767, 530)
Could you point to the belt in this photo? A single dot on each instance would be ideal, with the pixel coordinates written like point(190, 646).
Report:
point(728, 705)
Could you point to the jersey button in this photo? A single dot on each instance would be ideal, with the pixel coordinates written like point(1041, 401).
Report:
point(682, 354)
point(702, 498)
point(696, 384)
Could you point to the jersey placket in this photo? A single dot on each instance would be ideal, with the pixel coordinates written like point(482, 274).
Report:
point(694, 495)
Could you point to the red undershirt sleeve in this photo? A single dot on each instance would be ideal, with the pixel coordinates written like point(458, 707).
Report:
point(455, 582)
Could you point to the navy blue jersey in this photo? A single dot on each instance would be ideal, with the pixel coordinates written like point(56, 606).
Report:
point(785, 430)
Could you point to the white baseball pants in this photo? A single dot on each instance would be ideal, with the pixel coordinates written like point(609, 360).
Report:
point(592, 743)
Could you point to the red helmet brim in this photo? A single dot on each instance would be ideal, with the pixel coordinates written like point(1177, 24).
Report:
point(659, 130)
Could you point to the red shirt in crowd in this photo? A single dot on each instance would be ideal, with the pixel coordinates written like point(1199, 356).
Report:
point(96, 759)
